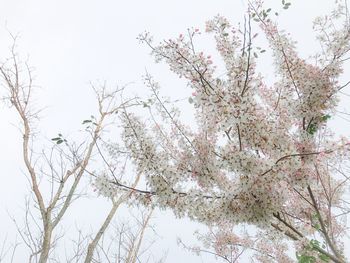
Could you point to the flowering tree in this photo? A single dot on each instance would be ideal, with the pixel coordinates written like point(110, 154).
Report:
point(260, 154)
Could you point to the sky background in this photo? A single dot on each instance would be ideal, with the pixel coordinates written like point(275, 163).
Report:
point(70, 43)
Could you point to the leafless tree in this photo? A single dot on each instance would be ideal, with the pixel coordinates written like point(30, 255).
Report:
point(56, 173)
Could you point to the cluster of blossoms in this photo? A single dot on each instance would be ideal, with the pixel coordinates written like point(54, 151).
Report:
point(254, 155)
point(226, 242)
point(104, 187)
point(266, 147)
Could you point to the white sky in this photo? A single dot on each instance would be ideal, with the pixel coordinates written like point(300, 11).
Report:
point(71, 43)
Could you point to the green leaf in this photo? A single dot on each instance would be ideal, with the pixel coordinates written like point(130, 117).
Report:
point(318, 227)
point(263, 51)
point(276, 14)
point(225, 34)
point(56, 139)
point(325, 117)
point(286, 6)
point(306, 259)
point(59, 141)
point(315, 243)
point(312, 129)
point(87, 121)
point(268, 10)
point(190, 100)
point(255, 55)
point(324, 258)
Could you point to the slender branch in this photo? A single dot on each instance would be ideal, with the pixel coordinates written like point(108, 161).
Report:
point(323, 227)
point(115, 206)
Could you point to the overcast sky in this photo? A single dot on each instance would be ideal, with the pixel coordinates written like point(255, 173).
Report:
point(71, 43)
